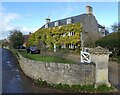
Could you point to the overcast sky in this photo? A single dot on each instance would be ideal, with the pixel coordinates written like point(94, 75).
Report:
point(30, 16)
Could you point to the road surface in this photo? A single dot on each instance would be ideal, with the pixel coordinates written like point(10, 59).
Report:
point(14, 80)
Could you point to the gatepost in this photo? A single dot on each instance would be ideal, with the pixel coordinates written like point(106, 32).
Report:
point(100, 57)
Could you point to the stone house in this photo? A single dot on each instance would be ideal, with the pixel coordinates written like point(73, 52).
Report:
point(91, 29)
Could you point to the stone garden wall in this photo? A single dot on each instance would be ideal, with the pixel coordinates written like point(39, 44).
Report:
point(58, 72)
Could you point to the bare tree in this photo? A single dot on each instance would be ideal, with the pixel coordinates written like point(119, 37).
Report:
point(115, 27)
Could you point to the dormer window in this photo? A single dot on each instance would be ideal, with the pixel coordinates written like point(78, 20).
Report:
point(56, 23)
point(69, 21)
point(46, 25)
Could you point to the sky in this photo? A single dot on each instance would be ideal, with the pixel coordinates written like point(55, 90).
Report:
point(30, 16)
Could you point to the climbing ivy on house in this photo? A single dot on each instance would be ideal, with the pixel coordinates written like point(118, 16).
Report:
point(49, 36)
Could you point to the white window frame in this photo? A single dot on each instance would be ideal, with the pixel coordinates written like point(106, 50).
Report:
point(56, 23)
point(99, 29)
point(64, 35)
point(63, 45)
point(69, 34)
point(69, 21)
point(46, 25)
point(72, 46)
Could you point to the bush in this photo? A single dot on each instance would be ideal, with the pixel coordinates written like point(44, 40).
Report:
point(111, 42)
point(63, 86)
point(88, 88)
point(104, 88)
point(42, 82)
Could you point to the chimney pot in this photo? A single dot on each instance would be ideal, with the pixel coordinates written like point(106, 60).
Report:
point(47, 20)
point(89, 10)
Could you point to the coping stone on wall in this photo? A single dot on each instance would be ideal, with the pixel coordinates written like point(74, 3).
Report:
point(53, 64)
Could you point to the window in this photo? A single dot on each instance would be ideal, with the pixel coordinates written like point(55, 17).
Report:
point(99, 29)
point(71, 33)
point(103, 32)
point(56, 23)
point(69, 21)
point(63, 46)
point(71, 46)
point(64, 35)
point(46, 25)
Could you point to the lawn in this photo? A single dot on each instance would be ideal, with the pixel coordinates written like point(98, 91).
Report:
point(45, 58)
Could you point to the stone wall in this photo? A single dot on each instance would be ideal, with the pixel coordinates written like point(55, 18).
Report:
point(58, 72)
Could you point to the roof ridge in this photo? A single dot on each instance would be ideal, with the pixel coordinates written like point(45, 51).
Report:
point(68, 17)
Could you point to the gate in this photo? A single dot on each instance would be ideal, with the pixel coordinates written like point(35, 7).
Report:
point(85, 57)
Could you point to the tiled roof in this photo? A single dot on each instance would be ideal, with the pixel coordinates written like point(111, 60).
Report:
point(100, 26)
point(74, 19)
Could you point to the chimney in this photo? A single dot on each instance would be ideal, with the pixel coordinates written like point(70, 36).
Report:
point(47, 20)
point(89, 10)
point(30, 33)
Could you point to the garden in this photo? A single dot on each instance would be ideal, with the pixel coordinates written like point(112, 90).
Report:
point(44, 57)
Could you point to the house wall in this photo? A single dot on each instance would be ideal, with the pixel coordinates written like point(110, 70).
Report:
point(102, 32)
point(58, 72)
point(90, 29)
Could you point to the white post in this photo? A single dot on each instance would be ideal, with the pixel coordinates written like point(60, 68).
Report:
point(81, 42)
point(54, 47)
point(81, 59)
point(85, 56)
point(64, 45)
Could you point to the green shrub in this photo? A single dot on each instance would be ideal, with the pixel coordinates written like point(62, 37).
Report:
point(63, 86)
point(42, 82)
point(111, 42)
point(88, 88)
point(76, 87)
point(49, 36)
point(104, 88)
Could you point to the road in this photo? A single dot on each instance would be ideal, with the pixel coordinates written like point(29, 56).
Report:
point(14, 80)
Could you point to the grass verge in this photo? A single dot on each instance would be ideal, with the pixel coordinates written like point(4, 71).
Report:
point(77, 88)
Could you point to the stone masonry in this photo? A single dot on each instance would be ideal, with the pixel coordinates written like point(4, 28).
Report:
point(58, 72)
point(100, 57)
